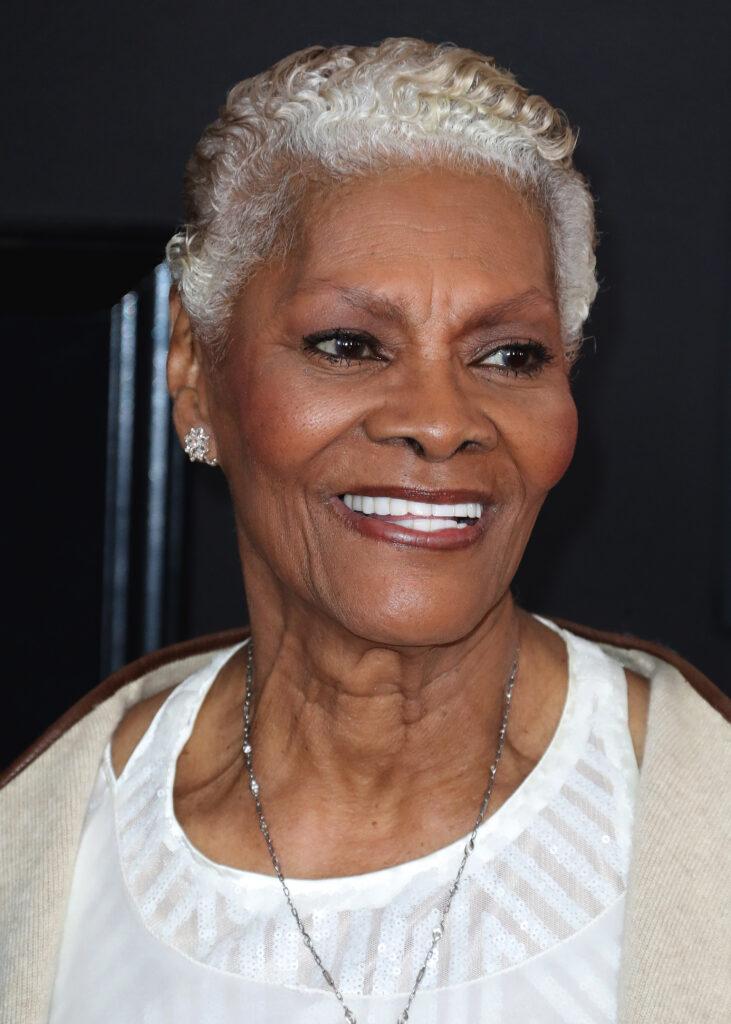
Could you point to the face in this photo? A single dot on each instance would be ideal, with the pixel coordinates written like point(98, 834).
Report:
point(409, 350)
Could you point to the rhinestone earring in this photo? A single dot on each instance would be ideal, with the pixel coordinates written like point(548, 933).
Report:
point(197, 446)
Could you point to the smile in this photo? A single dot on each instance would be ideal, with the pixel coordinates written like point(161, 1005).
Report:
point(415, 515)
point(438, 520)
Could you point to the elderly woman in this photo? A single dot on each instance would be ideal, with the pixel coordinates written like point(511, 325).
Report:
point(401, 797)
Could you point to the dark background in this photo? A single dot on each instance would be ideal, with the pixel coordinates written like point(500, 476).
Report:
point(101, 105)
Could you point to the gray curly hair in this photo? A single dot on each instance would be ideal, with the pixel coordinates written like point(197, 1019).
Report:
point(333, 113)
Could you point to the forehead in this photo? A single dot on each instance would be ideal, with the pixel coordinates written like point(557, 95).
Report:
point(418, 221)
point(434, 242)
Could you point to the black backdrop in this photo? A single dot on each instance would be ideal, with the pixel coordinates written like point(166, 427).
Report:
point(101, 105)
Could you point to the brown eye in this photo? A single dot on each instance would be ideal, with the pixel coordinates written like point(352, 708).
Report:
point(341, 346)
point(524, 358)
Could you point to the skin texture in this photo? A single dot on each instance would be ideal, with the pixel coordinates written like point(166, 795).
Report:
point(379, 666)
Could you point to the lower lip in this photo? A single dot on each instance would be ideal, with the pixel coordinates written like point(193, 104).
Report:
point(440, 540)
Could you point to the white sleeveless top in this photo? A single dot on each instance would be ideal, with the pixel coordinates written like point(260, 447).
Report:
point(156, 933)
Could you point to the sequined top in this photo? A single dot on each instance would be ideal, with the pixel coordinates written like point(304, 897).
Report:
point(157, 932)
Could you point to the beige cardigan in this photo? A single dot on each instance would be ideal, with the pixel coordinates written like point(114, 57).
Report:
point(676, 956)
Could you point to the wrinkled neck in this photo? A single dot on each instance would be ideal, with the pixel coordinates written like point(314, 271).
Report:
point(358, 717)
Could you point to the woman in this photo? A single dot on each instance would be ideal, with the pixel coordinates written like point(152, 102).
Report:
point(403, 797)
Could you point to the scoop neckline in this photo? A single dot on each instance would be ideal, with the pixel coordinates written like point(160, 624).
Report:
point(496, 831)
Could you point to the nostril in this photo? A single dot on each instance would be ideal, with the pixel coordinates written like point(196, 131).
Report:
point(416, 446)
point(423, 450)
point(410, 442)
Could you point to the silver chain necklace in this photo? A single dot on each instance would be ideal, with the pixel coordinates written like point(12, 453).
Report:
point(437, 932)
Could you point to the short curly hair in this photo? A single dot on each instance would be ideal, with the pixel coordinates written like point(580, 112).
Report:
point(334, 113)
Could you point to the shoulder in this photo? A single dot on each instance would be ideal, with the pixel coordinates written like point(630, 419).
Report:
point(633, 651)
point(133, 727)
point(638, 707)
point(220, 704)
point(220, 694)
point(641, 659)
point(638, 684)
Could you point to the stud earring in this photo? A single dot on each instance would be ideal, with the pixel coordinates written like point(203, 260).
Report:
point(197, 446)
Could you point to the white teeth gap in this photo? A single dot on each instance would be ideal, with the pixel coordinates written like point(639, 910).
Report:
point(415, 515)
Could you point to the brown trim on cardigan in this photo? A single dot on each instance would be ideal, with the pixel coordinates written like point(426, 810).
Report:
point(200, 645)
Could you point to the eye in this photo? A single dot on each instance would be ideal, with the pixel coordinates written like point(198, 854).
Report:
point(518, 358)
point(341, 346)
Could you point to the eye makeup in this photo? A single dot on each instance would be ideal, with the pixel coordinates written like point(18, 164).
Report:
point(522, 358)
point(343, 346)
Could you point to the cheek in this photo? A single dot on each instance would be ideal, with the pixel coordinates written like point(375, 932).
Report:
point(544, 443)
point(282, 421)
point(562, 440)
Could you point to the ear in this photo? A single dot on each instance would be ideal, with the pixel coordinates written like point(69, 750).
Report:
point(186, 379)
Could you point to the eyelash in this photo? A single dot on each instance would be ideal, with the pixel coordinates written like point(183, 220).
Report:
point(311, 341)
point(536, 349)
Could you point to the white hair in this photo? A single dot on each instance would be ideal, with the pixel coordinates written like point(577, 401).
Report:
point(348, 111)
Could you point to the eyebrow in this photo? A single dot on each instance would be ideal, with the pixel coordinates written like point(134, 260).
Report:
point(361, 298)
point(487, 316)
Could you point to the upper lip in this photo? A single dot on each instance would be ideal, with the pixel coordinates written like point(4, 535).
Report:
point(436, 496)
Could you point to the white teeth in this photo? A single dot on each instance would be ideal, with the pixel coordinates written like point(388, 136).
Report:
point(444, 524)
point(431, 525)
point(455, 511)
point(420, 510)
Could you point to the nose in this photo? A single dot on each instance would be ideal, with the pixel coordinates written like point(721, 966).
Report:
point(434, 414)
